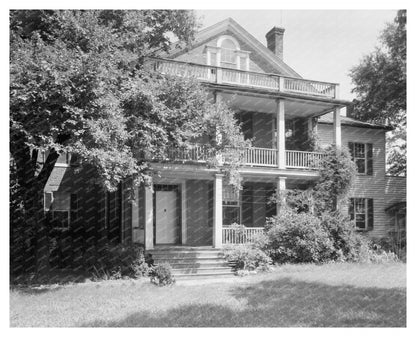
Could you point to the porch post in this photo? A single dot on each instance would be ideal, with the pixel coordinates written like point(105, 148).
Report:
point(280, 187)
point(281, 146)
point(148, 215)
point(217, 228)
point(337, 127)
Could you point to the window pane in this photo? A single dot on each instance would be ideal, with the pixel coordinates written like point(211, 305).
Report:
point(360, 165)
point(228, 56)
point(360, 224)
point(60, 219)
point(360, 205)
point(227, 43)
point(231, 215)
point(61, 201)
point(359, 150)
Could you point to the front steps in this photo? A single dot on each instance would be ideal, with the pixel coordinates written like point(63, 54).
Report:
point(193, 262)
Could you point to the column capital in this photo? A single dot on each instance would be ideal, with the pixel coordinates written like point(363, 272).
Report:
point(219, 175)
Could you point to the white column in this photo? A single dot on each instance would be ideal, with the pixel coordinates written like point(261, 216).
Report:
point(337, 127)
point(217, 228)
point(280, 188)
point(209, 63)
point(148, 215)
point(135, 215)
point(281, 146)
point(183, 210)
point(219, 71)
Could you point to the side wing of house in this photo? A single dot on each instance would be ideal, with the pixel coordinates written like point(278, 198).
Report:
point(367, 202)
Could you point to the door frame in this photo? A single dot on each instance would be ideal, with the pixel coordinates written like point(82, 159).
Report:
point(175, 188)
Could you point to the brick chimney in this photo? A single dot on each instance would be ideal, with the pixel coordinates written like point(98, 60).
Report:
point(275, 41)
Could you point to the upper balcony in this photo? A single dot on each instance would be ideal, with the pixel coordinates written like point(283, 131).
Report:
point(252, 156)
point(247, 79)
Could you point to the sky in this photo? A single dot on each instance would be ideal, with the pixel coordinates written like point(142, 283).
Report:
point(320, 45)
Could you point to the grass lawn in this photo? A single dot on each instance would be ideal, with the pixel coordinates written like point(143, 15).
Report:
point(293, 295)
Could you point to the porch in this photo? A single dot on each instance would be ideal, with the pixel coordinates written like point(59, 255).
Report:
point(188, 212)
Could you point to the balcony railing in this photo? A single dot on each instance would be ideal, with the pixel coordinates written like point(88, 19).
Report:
point(240, 236)
point(304, 159)
point(251, 156)
point(215, 74)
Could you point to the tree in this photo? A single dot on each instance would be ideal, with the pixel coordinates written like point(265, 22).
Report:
point(78, 84)
point(380, 86)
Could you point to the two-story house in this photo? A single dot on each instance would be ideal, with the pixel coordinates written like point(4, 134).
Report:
point(190, 203)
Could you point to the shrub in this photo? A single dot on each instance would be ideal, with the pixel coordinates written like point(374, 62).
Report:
point(247, 257)
point(349, 245)
point(161, 274)
point(261, 241)
point(112, 262)
point(298, 237)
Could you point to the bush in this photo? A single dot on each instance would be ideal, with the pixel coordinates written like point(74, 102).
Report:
point(161, 274)
point(348, 244)
point(113, 262)
point(298, 237)
point(247, 257)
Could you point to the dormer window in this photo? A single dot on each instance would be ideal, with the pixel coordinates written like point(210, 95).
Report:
point(227, 54)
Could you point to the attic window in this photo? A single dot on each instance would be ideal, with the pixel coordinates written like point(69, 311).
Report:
point(227, 54)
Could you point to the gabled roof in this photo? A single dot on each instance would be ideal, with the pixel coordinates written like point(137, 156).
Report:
point(328, 119)
point(227, 26)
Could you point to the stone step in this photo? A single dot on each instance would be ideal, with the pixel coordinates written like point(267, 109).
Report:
point(191, 271)
point(207, 275)
point(198, 264)
point(187, 256)
point(192, 260)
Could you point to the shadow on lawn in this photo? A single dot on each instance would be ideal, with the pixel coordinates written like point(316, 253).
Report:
point(283, 303)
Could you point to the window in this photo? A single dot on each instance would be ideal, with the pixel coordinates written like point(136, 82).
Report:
point(362, 155)
point(231, 206)
point(63, 208)
point(362, 213)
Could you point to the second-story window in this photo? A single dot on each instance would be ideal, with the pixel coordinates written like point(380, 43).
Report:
point(362, 155)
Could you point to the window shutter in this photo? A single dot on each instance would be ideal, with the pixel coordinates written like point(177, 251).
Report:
point(351, 148)
point(74, 207)
point(370, 213)
point(48, 200)
point(370, 159)
point(351, 209)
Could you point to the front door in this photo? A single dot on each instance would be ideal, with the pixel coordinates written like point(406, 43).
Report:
point(166, 217)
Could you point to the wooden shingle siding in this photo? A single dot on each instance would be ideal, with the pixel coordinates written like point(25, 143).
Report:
point(365, 186)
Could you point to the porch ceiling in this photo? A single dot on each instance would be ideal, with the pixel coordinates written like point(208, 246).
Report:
point(294, 108)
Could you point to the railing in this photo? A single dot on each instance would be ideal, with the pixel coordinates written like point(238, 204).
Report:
point(195, 153)
point(256, 156)
point(216, 74)
point(251, 156)
point(239, 236)
point(304, 159)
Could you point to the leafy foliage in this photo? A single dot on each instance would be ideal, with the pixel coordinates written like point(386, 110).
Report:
point(304, 237)
point(380, 85)
point(298, 237)
point(78, 84)
point(247, 257)
point(336, 176)
point(161, 275)
point(113, 262)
